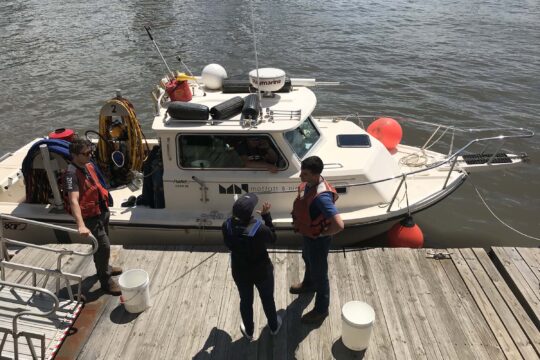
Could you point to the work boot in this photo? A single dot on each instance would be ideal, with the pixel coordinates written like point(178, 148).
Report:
point(300, 289)
point(314, 317)
point(111, 287)
point(116, 270)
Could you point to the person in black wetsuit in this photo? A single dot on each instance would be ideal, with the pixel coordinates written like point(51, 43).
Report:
point(246, 238)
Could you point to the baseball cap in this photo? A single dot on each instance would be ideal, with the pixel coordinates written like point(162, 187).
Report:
point(243, 207)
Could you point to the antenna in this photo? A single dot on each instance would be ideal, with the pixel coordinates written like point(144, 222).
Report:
point(256, 56)
point(147, 28)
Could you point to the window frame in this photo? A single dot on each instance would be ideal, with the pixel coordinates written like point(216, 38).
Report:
point(240, 136)
point(310, 120)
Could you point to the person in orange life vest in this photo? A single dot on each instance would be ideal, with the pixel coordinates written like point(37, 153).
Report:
point(88, 202)
point(315, 217)
point(247, 238)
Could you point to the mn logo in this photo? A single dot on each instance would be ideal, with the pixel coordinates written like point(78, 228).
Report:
point(234, 189)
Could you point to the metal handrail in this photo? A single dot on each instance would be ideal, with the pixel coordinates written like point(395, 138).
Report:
point(60, 252)
point(16, 317)
point(50, 226)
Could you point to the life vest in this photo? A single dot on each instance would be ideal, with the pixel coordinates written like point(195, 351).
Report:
point(90, 193)
point(302, 221)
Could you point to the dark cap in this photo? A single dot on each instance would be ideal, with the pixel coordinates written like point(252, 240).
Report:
point(243, 207)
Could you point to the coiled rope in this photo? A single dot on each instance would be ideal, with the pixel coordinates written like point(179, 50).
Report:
point(136, 149)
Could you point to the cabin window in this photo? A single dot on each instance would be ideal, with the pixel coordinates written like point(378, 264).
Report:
point(230, 151)
point(353, 140)
point(303, 137)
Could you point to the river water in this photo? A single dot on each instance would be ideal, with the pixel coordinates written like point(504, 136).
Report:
point(468, 63)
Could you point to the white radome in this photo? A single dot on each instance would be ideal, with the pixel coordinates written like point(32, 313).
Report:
point(213, 75)
point(269, 79)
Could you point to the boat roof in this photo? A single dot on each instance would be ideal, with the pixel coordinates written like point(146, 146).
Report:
point(300, 100)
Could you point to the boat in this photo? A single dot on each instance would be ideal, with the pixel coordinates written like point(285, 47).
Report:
point(179, 187)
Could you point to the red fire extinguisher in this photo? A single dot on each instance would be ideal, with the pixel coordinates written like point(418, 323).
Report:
point(178, 88)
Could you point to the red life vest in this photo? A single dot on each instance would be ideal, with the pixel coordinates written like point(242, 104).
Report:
point(90, 193)
point(302, 221)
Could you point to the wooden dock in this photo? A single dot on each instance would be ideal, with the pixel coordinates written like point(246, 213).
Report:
point(429, 304)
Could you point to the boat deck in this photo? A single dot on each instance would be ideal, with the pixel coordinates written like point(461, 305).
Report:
point(429, 304)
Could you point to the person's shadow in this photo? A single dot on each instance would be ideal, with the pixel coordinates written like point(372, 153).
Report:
point(219, 343)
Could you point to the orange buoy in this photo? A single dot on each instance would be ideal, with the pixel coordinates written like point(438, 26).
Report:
point(406, 234)
point(387, 131)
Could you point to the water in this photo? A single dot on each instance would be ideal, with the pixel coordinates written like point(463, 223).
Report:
point(468, 63)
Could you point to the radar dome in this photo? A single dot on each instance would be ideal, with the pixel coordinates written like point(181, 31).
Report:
point(267, 79)
point(213, 75)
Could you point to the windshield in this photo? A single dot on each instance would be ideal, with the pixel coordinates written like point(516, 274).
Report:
point(303, 137)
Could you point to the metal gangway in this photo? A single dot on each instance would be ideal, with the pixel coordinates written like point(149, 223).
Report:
point(33, 320)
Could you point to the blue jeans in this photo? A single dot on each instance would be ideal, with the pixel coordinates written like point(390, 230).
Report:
point(266, 293)
point(315, 255)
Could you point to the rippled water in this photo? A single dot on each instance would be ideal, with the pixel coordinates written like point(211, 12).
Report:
point(468, 63)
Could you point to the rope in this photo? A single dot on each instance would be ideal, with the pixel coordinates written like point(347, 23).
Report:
point(499, 219)
point(416, 159)
point(136, 149)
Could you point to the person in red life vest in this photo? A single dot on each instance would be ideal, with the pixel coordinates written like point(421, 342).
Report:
point(316, 218)
point(247, 238)
point(88, 202)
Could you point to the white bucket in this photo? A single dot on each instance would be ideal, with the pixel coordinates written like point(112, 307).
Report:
point(357, 322)
point(135, 290)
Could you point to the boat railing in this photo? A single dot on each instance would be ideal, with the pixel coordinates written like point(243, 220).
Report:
point(451, 160)
point(14, 331)
point(47, 273)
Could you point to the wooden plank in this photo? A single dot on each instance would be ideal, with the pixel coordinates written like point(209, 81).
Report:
point(282, 298)
point(532, 257)
point(482, 300)
point(156, 322)
point(405, 275)
point(114, 328)
point(380, 345)
point(523, 320)
point(330, 331)
point(296, 333)
point(390, 308)
point(497, 301)
point(201, 301)
point(514, 270)
point(427, 289)
point(396, 277)
point(179, 324)
point(472, 321)
point(206, 337)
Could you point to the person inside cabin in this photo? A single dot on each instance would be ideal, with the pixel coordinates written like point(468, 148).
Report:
point(88, 202)
point(256, 152)
point(247, 238)
point(316, 218)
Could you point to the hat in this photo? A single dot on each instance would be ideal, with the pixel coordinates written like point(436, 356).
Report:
point(243, 207)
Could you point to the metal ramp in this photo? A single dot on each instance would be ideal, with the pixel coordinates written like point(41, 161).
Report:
point(33, 320)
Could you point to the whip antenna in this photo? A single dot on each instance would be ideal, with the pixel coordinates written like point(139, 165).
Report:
point(255, 47)
point(147, 28)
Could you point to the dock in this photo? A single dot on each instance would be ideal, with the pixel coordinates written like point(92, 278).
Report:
point(429, 304)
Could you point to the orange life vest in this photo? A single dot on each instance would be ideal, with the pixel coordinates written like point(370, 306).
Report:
point(90, 193)
point(302, 221)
